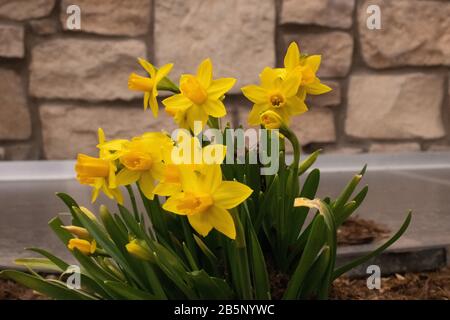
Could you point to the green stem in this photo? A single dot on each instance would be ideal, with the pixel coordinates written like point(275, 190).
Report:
point(133, 202)
point(213, 123)
point(243, 267)
point(295, 145)
point(167, 85)
point(148, 209)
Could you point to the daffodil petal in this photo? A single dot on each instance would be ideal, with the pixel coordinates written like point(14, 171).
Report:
point(167, 189)
point(253, 117)
point(101, 136)
point(113, 145)
point(314, 62)
point(94, 195)
point(117, 194)
point(154, 105)
point(107, 191)
point(112, 179)
point(296, 106)
point(196, 113)
point(177, 102)
point(268, 76)
point(146, 183)
point(291, 84)
point(172, 203)
point(147, 67)
point(219, 87)
point(163, 71)
point(158, 170)
point(211, 177)
point(146, 99)
point(215, 108)
point(126, 177)
point(200, 223)
point(204, 73)
point(190, 179)
point(255, 94)
point(285, 113)
point(222, 221)
point(230, 194)
point(292, 58)
point(317, 88)
point(214, 153)
point(301, 94)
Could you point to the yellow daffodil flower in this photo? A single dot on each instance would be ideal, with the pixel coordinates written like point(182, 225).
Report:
point(149, 85)
point(200, 97)
point(275, 94)
point(205, 199)
point(271, 120)
point(84, 246)
point(99, 173)
point(142, 162)
point(174, 157)
point(309, 65)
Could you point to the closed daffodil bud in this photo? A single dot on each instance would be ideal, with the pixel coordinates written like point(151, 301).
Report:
point(88, 213)
point(139, 249)
point(84, 246)
point(80, 232)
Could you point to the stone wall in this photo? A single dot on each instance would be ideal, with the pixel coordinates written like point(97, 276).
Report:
point(57, 86)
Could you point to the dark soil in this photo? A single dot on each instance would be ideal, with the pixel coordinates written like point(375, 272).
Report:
point(410, 286)
point(356, 231)
point(10, 290)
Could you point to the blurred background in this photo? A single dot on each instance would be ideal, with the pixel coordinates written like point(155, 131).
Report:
point(57, 85)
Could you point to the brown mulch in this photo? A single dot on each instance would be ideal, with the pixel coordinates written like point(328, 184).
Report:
point(410, 286)
point(356, 231)
point(9, 290)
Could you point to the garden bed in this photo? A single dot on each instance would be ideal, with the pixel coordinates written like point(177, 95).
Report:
point(410, 286)
point(433, 285)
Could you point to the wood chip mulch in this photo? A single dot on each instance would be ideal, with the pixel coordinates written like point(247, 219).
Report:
point(9, 290)
point(356, 231)
point(410, 286)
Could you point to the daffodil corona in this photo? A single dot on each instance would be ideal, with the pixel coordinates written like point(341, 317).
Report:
point(99, 173)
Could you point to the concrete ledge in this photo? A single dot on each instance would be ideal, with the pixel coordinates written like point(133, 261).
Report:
point(392, 262)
